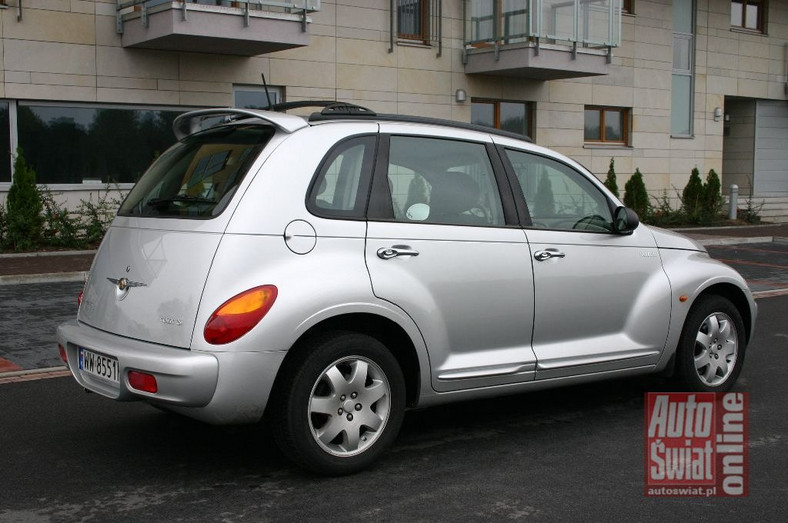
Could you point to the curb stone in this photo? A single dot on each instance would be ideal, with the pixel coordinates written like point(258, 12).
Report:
point(53, 277)
point(726, 240)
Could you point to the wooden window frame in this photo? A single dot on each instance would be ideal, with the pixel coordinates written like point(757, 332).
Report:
point(627, 6)
point(424, 35)
point(626, 122)
point(763, 6)
point(529, 109)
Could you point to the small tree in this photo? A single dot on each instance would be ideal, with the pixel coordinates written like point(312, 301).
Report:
point(610, 181)
point(636, 195)
point(23, 208)
point(692, 197)
point(712, 197)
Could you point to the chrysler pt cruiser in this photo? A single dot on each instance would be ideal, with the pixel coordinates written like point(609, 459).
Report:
point(324, 274)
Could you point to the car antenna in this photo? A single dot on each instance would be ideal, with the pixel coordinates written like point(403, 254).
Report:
point(267, 94)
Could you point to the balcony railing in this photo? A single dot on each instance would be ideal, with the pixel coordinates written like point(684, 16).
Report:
point(562, 25)
point(591, 23)
point(243, 27)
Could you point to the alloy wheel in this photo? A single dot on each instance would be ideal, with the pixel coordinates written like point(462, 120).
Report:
point(716, 349)
point(349, 406)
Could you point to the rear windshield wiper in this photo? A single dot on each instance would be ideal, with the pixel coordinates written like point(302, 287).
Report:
point(180, 198)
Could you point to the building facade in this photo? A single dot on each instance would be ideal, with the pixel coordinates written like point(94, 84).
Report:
point(89, 88)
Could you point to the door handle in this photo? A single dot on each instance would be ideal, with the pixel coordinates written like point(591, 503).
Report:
point(387, 253)
point(547, 254)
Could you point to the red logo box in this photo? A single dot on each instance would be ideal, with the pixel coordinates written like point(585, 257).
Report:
point(696, 444)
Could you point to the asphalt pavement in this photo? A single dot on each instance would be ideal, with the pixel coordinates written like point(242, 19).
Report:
point(567, 454)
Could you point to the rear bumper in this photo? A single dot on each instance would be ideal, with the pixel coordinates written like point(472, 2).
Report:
point(221, 387)
point(184, 377)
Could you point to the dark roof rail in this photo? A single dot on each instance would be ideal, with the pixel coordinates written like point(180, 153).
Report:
point(330, 107)
point(345, 111)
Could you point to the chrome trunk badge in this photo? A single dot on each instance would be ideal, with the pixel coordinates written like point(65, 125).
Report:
point(123, 285)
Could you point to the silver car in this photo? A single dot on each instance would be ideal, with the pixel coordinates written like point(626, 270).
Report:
point(326, 273)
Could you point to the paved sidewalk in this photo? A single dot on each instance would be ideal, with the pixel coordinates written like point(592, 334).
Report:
point(737, 234)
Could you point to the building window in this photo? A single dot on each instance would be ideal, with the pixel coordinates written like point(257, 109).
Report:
point(82, 144)
point(682, 82)
point(413, 20)
point(606, 125)
point(254, 96)
point(627, 6)
point(516, 117)
point(749, 14)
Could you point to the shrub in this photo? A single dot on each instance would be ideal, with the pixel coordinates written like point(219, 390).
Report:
point(711, 201)
point(23, 208)
point(752, 211)
point(96, 217)
point(610, 181)
point(635, 194)
point(60, 228)
point(2, 225)
point(692, 197)
point(662, 213)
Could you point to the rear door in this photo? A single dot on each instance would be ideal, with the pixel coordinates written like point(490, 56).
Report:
point(602, 299)
point(444, 246)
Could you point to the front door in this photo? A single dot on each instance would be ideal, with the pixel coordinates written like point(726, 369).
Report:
point(602, 300)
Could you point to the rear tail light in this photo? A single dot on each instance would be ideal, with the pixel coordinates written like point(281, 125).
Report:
point(62, 351)
point(239, 315)
point(143, 381)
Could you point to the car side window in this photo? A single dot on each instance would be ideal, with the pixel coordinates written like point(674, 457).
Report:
point(442, 181)
point(342, 183)
point(558, 197)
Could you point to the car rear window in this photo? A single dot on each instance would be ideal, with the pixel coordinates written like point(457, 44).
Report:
point(197, 176)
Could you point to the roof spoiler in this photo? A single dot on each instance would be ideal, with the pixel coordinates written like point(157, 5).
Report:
point(193, 121)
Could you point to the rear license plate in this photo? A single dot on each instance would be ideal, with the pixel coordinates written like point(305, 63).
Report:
point(95, 364)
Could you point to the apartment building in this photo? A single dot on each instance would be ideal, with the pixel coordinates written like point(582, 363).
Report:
point(89, 88)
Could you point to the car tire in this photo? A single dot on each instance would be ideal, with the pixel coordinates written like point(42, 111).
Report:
point(711, 349)
point(340, 404)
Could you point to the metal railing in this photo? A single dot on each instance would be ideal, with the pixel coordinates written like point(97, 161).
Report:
point(296, 6)
point(591, 23)
point(241, 7)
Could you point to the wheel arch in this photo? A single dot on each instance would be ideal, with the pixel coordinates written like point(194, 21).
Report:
point(736, 296)
point(385, 330)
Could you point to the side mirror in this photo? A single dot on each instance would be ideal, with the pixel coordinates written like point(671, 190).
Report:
point(625, 220)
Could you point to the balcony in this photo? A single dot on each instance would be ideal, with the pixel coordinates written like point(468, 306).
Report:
point(540, 39)
point(239, 27)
